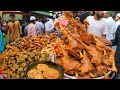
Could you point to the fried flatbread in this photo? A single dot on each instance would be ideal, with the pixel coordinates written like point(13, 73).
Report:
point(51, 73)
point(42, 67)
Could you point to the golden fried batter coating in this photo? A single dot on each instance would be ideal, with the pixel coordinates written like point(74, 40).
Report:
point(51, 73)
point(42, 67)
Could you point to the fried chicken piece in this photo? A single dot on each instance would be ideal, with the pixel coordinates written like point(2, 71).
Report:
point(71, 72)
point(101, 70)
point(71, 51)
point(86, 76)
point(86, 65)
point(69, 63)
point(99, 44)
point(59, 62)
point(111, 59)
point(106, 61)
point(95, 54)
point(85, 37)
point(78, 26)
point(72, 42)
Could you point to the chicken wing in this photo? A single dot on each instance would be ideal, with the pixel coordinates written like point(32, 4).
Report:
point(101, 70)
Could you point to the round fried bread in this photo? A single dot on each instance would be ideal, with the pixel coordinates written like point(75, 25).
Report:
point(31, 73)
point(51, 73)
point(39, 76)
point(42, 67)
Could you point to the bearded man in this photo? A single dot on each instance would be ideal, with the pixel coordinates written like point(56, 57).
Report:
point(97, 24)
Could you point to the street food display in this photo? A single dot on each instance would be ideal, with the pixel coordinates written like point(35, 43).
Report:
point(82, 54)
point(79, 53)
point(24, 51)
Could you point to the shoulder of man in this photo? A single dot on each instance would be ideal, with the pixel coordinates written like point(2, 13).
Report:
point(118, 30)
point(89, 17)
point(104, 20)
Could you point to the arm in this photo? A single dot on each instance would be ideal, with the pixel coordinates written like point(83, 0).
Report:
point(42, 25)
point(25, 31)
point(115, 40)
point(104, 36)
point(104, 40)
point(108, 42)
point(19, 28)
point(105, 31)
point(51, 27)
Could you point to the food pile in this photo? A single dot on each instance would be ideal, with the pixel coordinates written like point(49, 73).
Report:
point(43, 71)
point(24, 51)
point(33, 43)
point(81, 54)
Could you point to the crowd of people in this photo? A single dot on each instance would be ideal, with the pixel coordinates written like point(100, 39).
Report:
point(101, 23)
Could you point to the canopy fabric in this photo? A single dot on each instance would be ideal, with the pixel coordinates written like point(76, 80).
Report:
point(42, 12)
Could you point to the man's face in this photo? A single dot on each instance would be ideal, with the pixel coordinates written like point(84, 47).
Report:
point(12, 17)
point(116, 18)
point(105, 15)
point(99, 14)
point(34, 22)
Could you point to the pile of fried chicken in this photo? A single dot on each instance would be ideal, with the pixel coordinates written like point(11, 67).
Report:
point(80, 53)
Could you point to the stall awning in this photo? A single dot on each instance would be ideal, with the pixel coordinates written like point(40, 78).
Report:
point(43, 13)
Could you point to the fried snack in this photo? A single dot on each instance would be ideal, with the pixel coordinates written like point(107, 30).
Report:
point(31, 73)
point(42, 71)
point(39, 76)
point(35, 74)
point(42, 67)
point(51, 73)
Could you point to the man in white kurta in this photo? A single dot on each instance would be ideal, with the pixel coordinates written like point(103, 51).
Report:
point(49, 26)
point(97, 25)
point(111, 25)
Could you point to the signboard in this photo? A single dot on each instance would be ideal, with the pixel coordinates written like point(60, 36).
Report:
point(18, 16)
